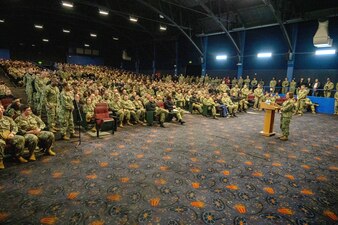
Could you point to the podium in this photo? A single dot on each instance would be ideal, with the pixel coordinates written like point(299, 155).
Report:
point(269, 118)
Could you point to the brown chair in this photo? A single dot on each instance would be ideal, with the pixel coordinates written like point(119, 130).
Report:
point(103, 120)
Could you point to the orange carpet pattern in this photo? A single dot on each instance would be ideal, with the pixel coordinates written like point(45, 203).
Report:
point(205, 172)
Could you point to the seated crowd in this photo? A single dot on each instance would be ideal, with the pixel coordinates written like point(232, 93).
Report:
point(129, 96)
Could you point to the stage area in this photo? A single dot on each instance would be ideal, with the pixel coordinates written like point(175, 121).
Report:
point(205, 172)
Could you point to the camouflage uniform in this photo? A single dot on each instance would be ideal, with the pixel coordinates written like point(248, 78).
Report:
point(247, 82)
point(301, 100)
point(258, 97)
point(293, 85)
point(67, 107)
point(336, 103)
point(273, 85)
point(254, 83)
point(287, 111)
point(285, 85)
point(45, 139)
point(328, 87)
point(232, 108)
point(140, 110)
point(308, 102)
point(243, 103)
point(209, 102)
point(39, 85)
point(130, 110)
point(7, 125)
point(51, 99)
point(88, 109)
point(28, 81)
point(12, 112)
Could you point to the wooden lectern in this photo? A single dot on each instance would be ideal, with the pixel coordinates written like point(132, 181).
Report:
point(269, 118)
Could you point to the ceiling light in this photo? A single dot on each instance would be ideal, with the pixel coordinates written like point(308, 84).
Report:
point(93, 35)
point(162, 17)
point(221, 57)
point(33, 45)
point(45, 40)
point(2, 20)
point(103, 12)
point(38, 26)
point(65, 31)
point(67, 4)
point(162, 27)
point(264, 55)
point(133, 19)
point(115, 38)
point(86, 45)
point(326, 52)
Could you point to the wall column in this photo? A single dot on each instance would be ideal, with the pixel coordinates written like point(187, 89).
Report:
point(176, 59)
point(204, 58)
point(154, 61)
point(292, 55)
point(242, 36)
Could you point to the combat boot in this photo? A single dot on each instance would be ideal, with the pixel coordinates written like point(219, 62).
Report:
point(129, 123)
point(2, 166)
point(283, 138)
point(52, 130)
point(74, 135)
point(50, 152)
point(65, 137)
point(32, 157)
point(121, 125)
point(22, 160)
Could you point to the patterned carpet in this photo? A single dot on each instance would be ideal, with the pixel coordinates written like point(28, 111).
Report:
point(205, 172)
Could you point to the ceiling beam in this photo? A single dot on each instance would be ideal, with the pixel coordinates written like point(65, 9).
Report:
point(277, 16)
point(219, 22)
point(171, 21)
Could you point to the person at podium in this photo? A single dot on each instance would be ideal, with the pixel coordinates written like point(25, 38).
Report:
point(286, 115)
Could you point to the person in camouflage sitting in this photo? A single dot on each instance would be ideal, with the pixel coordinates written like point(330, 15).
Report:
point(8, 130)
point(31, 127)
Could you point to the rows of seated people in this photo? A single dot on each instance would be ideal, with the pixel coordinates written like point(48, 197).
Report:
point(132, 96)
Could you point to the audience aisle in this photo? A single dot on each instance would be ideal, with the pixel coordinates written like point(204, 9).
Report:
point(206, 172)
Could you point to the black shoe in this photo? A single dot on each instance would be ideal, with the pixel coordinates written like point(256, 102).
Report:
point(182, 122)
point(234, 115)
point(162, 125)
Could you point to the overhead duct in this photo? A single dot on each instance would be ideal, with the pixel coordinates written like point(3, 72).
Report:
point(322, 38)
point(125, 56)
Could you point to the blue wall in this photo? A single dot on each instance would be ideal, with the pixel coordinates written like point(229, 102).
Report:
point(4, 53)
point(271, 39)
point(85, 60)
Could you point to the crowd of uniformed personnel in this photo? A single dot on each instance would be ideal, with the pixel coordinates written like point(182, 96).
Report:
point(130, 96)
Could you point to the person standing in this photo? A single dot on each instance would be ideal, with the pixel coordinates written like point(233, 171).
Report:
point(285, 119)
point(309, 85)
point(328, 87)
point(247, 81)
point(258, 93)
point(315, 87)
point(293, 86)
point(301, 97)
point(240, 82)
point(273, 85)
point(285, 85)
point(67, 107)
point(51, 100)
point(336, 103)
point(254, 83)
